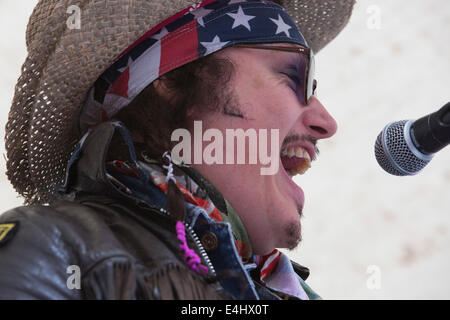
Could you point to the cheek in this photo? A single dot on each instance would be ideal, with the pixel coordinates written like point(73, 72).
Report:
point(271, 98)
point(281, 109)
point(266, 100)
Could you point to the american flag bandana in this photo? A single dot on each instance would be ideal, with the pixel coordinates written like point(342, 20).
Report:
point(192, 33)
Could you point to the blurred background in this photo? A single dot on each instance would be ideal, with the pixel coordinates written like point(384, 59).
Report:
point(367, 234)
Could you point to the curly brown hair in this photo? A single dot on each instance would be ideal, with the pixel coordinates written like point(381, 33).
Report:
point(197, 87)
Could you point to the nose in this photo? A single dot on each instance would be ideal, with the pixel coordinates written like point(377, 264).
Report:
point(318, 121)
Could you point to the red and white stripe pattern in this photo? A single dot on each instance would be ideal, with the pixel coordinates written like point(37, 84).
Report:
point(270, 262)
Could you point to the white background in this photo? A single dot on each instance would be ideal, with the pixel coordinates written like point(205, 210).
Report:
point(356, 215)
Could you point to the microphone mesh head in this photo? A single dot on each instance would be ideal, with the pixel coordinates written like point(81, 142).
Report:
point(393, 153)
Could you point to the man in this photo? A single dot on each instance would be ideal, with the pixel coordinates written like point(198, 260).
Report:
point(128, 216)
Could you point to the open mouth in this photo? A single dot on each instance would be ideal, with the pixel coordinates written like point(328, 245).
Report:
point(295, 160)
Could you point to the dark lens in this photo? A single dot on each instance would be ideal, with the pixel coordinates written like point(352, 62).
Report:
point(303, 79)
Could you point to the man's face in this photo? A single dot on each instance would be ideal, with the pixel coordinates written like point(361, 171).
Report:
point(264, 97)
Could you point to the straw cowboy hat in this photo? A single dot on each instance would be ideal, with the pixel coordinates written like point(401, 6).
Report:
point(63, 64)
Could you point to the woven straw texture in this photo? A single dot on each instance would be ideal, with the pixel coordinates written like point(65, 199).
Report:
point(64, 63)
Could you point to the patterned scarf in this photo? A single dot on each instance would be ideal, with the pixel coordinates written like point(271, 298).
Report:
point(276, 271)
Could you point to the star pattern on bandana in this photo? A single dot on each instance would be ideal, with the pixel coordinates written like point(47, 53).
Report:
point(214, 45)
point(281, 26)
point(199, 14)
point(241, 19)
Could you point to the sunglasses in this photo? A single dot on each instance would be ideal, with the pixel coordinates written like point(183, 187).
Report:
point(308, 84)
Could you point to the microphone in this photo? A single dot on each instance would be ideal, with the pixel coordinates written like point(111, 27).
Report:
point(405, 147)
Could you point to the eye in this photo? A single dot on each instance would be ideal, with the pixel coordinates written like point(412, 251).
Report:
point(295, 79)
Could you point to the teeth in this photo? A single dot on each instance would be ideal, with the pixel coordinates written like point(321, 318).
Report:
point(306, 155)
point(301, 170)
point(291, 152)
point(298, 152)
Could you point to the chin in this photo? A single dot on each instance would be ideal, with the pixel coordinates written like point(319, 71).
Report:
point(285, 220)
point(293, 232)
point(289, 228)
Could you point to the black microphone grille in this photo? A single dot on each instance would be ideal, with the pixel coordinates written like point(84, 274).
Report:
point(395, 152)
